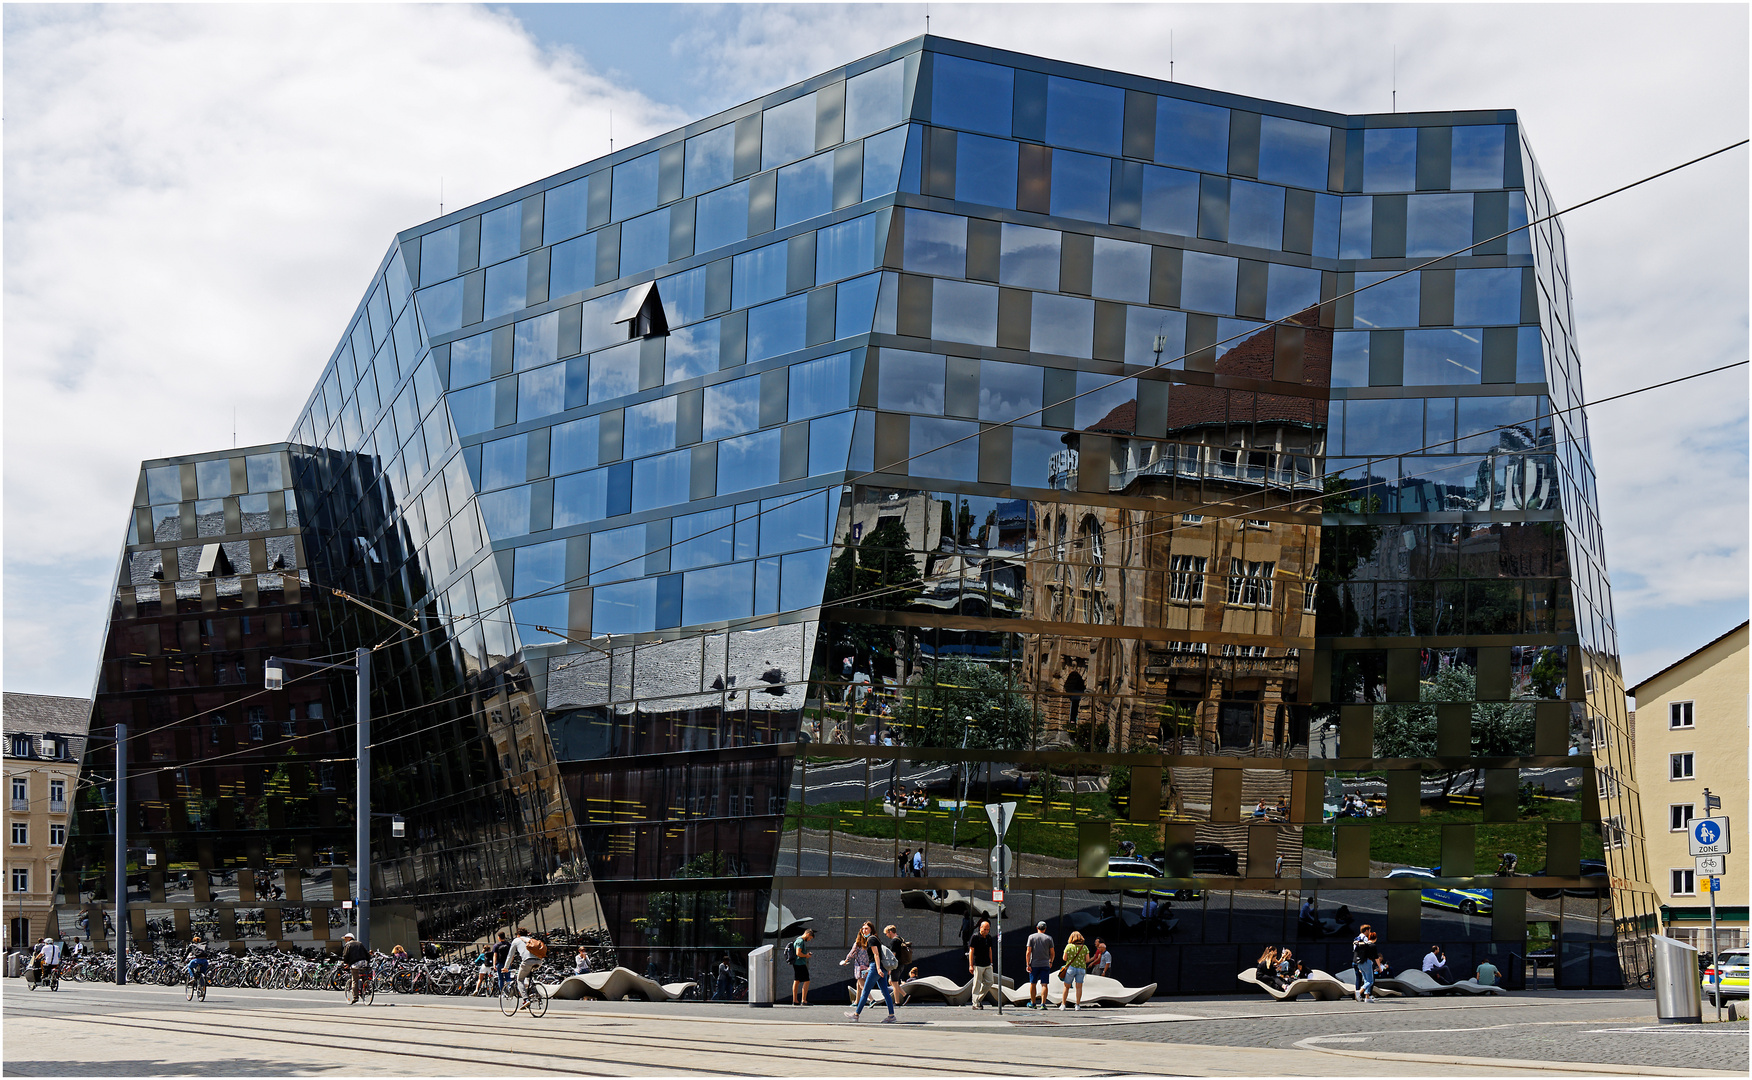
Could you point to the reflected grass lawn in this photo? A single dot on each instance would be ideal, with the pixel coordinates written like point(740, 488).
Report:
point(1421, 844)
point(1049, 830)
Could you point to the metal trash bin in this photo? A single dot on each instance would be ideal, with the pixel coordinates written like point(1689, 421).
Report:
point(1678, 984)
point(760, 977)
point(14, 965)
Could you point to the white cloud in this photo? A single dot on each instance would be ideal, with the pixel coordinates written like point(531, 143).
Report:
point(195, 200)
point(196, 196)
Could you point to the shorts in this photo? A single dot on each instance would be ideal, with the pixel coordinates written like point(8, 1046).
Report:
point(800, 972)
point(1074, 976)
point(1040, 975)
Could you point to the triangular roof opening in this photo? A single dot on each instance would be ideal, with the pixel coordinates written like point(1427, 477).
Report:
point(642, 311)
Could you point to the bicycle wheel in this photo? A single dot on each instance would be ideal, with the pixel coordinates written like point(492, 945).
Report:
point(508, 1000)
point(191, 993)
point(352, 990)
point(369, 993)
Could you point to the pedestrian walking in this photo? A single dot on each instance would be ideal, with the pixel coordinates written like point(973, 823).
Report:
point(1076, 966)
point(1038, 958)
point(1364, 953)
point(724, 984)
point(918, 863)
point(979, 963)
point(799, 957)
point(967, 926)
point(903, 864)
point(866, 961)
point(903, 957)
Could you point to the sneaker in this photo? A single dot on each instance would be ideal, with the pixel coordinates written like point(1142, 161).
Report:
point(1078, 1005)
point(852, 1016)
point(889, 1019)
point(1064, 1005)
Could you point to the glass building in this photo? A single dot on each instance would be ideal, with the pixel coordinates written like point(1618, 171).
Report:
point(1204, 474)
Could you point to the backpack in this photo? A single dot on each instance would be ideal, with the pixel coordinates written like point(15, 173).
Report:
point(537, 948)
point(888, 960)
point(791, 952)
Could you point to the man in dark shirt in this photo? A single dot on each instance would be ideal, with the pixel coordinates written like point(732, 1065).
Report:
point(357, 959)
point(501, 953)
point(979, 963)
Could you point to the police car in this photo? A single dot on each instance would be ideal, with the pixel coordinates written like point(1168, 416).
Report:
point(1465, 901)
point(1733, 965)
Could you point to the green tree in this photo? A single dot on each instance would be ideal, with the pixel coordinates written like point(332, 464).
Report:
point(879, 574)
point(934, 709)
point(692, 919)
point(1499, 729)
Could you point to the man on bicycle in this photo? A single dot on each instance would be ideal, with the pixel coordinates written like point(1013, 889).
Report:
point(47, 960)
point(524, 958)
point(197, 955)
point(356, 957)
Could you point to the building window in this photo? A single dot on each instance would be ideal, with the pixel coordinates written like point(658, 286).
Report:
point(1250, 652)
point(1258, 523)
point(20, 879)
point(1680, 767)
point(1192, 519)
point(1612, 832)
point(20, 832)
point(1679, 714)
point(1187, 582)
point(1684, 882)
point(1188, 647)
point(20, 793)
point(20, 745)
point(1308, 589)
point(57, 835)
point(1679, 817)
point(57, 796)
point(1250, 583)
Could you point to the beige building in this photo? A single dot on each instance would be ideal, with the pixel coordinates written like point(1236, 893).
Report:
point(1690, 734)
point(45, 739)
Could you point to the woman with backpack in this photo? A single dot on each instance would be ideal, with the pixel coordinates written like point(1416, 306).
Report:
point(869, 973)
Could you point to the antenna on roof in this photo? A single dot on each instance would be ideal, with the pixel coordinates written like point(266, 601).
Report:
point(1170, 56)
point(927, 20)
point(611, 131)
point(234, 427)
point(1395, 78)
point(440, 196)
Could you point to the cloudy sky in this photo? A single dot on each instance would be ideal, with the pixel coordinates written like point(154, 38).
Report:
point(195, 198)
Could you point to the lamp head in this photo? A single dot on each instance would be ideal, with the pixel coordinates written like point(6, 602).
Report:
point(273, 673)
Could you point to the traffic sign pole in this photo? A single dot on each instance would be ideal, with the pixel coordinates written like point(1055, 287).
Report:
point(1709, 837)
point(1001, 815)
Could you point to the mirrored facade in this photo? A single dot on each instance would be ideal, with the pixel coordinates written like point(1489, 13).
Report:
point(961, 426)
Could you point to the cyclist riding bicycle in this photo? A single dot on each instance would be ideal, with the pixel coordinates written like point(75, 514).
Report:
point(197, 955)
point(47, 960)
point(525, 957)
point(356, 957)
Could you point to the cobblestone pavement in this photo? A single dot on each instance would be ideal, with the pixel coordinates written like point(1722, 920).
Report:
point(94, 1030)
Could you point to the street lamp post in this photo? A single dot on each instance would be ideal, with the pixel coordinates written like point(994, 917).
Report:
point(274, 672)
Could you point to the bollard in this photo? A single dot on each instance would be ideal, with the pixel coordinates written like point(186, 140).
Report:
point(1678, 992)
point(760, 977)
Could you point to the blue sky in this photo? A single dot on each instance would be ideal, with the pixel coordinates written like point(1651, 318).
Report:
point(196, 196)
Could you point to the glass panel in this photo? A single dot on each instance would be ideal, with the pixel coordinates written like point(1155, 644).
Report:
point(718, 594)
point(1144, 325)
point(855, 305)
point(614, 372)
point(1081, 185)
point(540, 570)
point(1490, 297)
point(935, 243)
point(1032, 453)
point(703, 539)
point(778, 328)
point(1437, 224)
point(1028, 257)
point(471, 360)
point(691, 351)
point(1102, 402)
point(1356, 231)
point(264, 472)
point(662, 480)
point(1485, 423)
point(441, 307)
point(985, 171)
point(635, 187)
point(536, 341)
point(507, 288)
point(830, 440)
point(758, 275)
point(874, 100)
point(1385, 426)
point(505, 512)
point(1170, 201)
point(721, 217)
point(964, 311)
point(750, 461)
point(787, 132)
point(504, 462)
point(1084, 115)
point(805, 190)
point(439, 252)
point(1382, 303)
point(710, 160)
point(1290, 289)
point(819, 386)
point(1477, 157)
point(1009, 392)
point(501, 233)
point(617, 554)
point(1063, 324)
point(1294, 153)
point(540, 393)
point(971, 95)
point(471, 410)
point(932, 452)
point(845, 249)
point(731, 408)
point(1122, 270)
point(1389, 159)
point(581, 497)
point(644, 242)
point(1350, 358)
point(882, 160)
point(911, 382)
point(574, 445)
point(1256, 214)
point(564, 210)
point(1192, 135)
point(212, 479)
point(572, 266)
point(1442, 357)
point(1207, 283)
point(650, 428)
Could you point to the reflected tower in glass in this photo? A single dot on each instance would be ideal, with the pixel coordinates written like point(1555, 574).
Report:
point(1204, 474)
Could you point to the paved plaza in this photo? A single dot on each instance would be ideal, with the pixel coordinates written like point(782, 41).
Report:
point(99, 1030)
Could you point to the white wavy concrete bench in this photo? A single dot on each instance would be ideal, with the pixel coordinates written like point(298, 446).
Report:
point(1097, 990)
point(1317, 984)
point(615, 984)
point(952, 902)
point(946, 990)
point(1385, 985)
